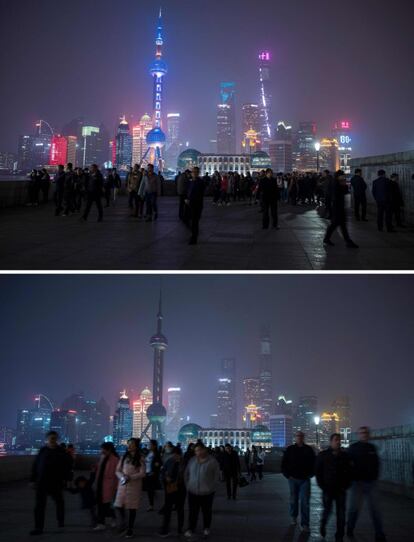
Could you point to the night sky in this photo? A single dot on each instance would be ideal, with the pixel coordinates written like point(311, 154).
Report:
point(331, 335)
point(331, 60)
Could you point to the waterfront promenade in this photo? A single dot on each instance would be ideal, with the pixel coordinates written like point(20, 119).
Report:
point(231, 239)
point(260, 514)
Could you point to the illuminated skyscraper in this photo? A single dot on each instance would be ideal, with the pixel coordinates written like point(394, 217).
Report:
point(226, 394)
point(329, 424)
point(304, 147)
point(173, 414)
point(174, 144)
point(157, 412)
point(23, 428)
point(122, 421)
point(140, 407)
point(329, 155)
point(93, 146)
point(265, 377)
point(226, 120)
point(251, 123)
point(42, 143)
point(58, 150)
point(123, 142)
point(139, 138)
point(72, 150)
point(251, 391)
point(25, 153)
point(64, 422)
point(304, 420)
point(156, 137)
point(280, 149)
point(265, 98)
point(342, 133)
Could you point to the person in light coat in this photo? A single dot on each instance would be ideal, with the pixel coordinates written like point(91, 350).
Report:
point(130, 473)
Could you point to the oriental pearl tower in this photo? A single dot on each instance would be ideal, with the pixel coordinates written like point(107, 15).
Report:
point(156, 138)
point(157, 413)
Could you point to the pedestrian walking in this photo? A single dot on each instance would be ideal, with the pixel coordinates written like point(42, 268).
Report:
point(231, 471)
point(130, 472)
point(195, 200)
point(150, 190)
point(359, 188)
point(365, 473)
point(50, 472)
point(334, 477)
point(298, 466)
point(94, 189)
point(175, 492)
point(106, 484)
point(201, 476)
point(337, 194)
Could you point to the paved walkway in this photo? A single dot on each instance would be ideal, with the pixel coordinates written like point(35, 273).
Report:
point(260, 514)
point(231, 239)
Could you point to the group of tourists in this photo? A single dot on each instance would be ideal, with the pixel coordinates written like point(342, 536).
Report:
point(77, 189)
point(113, 490)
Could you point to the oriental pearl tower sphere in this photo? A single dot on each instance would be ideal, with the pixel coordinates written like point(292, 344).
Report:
point(156, 138)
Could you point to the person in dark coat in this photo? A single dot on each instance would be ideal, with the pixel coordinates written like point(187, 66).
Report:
point(268, 193)
point(84, 488)
point(397, 200)
point(338, 191)
point(327, 184)
point(382, 192)
point(359, 187)
point(69, 190)
point(50, 472)
point(365, 473)
point(175, 492)
point(153, 463)
point(334, 476)
point(59, 181)
point(195, 201)
point(183, 181)
point(298, 466)
point(94, 189)
point(45, 184)
point(231, 471)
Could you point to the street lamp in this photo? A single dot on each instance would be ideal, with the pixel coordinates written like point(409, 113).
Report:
point(317, 149)
point(317, 420)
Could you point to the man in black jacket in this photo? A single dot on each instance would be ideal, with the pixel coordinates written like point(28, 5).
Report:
point(269, 195)
point(94, 189)
point(195, 199)
point(231, 470)
point(366, 464)
point(59, 181)
point(50, 471)
point(334, 476)
point(397, 200)
point(298, 466)
point(359, 186)
point(382, 192)
point(339, 190)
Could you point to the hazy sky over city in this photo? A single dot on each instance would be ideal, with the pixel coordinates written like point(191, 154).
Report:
point(331, 60)
point(331, 335)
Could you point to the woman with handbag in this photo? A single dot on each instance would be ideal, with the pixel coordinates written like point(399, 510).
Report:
point(175, 492)
point(130, 472)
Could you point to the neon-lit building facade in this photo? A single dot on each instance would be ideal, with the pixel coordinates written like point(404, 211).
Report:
point(342, 132)
point(58, 150)
point(265, 98)
point(139, 138)
point(140, 407)
point(156, 138)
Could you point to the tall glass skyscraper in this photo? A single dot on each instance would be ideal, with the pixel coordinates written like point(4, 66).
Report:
point(265, 377)
point(122, 421)
point(226, 394)
point(123, 154)
point(265, 98)
point(226, 120)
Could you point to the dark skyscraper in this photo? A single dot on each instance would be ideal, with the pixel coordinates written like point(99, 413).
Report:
point(265, 377)
point(226, 394)
point(122, 421)
point(226, 120)
point(123, 145)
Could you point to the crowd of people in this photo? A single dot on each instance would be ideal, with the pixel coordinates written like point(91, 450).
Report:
point(77, 189)
point(112, 494)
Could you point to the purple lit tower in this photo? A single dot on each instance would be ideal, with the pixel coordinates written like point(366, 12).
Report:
point(156, 138)
point(157, 413)
point(265, 99)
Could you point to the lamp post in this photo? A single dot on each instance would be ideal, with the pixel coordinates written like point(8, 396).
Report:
point(317, 149)
point(317, 421)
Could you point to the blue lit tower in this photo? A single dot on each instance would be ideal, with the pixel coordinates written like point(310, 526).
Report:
point(156, 138)
point(157, 413)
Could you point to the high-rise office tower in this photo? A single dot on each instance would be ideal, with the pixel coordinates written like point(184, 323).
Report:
point(64, 422)
point(23, 428)
point(329, 424)
point(139, 138)
point(342, 133)
point(72, 150)
point(40, 420)
point(304, 147)
point(226, 394)
point(281, 422)
point(251, 391)
point(156, 138)
point(123, 142)
point(173, 414)
point(42, 143)
point(265, 377)
point(265, 98)
point(280, 149)
point(58, 150)
point(25, 153)
point(329, 155)
point(157, 412)
point(341, 406)
point(93, 146)
point(251, 128)
point(74, 129)
point(226, 120)
point(122, 422)
point(140, 407)
point(174, 145)
point(305, 412)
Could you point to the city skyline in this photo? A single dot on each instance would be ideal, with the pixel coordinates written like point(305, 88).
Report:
point(127, 357)
point(292, 63)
